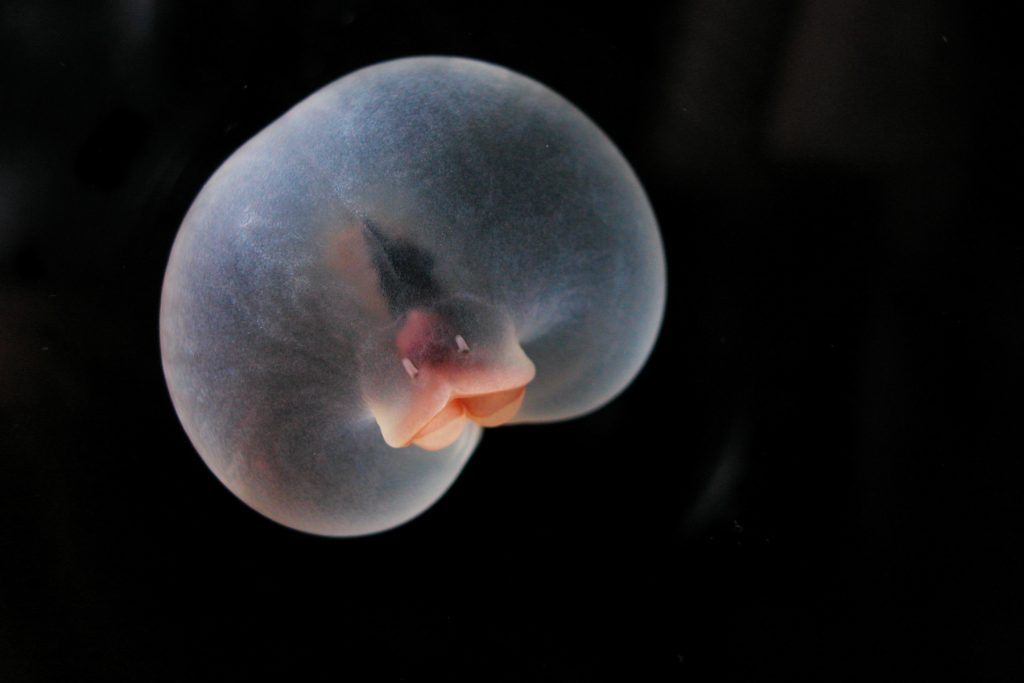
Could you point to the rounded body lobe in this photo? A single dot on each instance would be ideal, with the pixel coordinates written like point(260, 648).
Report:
point(422, 248)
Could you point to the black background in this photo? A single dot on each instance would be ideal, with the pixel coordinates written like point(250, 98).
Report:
point(811, 479)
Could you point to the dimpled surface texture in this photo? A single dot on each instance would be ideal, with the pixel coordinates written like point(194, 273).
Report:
point(275, 325)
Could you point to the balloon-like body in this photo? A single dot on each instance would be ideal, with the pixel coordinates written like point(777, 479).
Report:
point(420, 249)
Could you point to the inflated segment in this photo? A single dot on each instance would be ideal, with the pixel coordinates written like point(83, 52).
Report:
point(421, 249)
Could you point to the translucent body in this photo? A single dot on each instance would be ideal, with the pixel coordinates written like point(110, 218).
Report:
point(422, 231)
